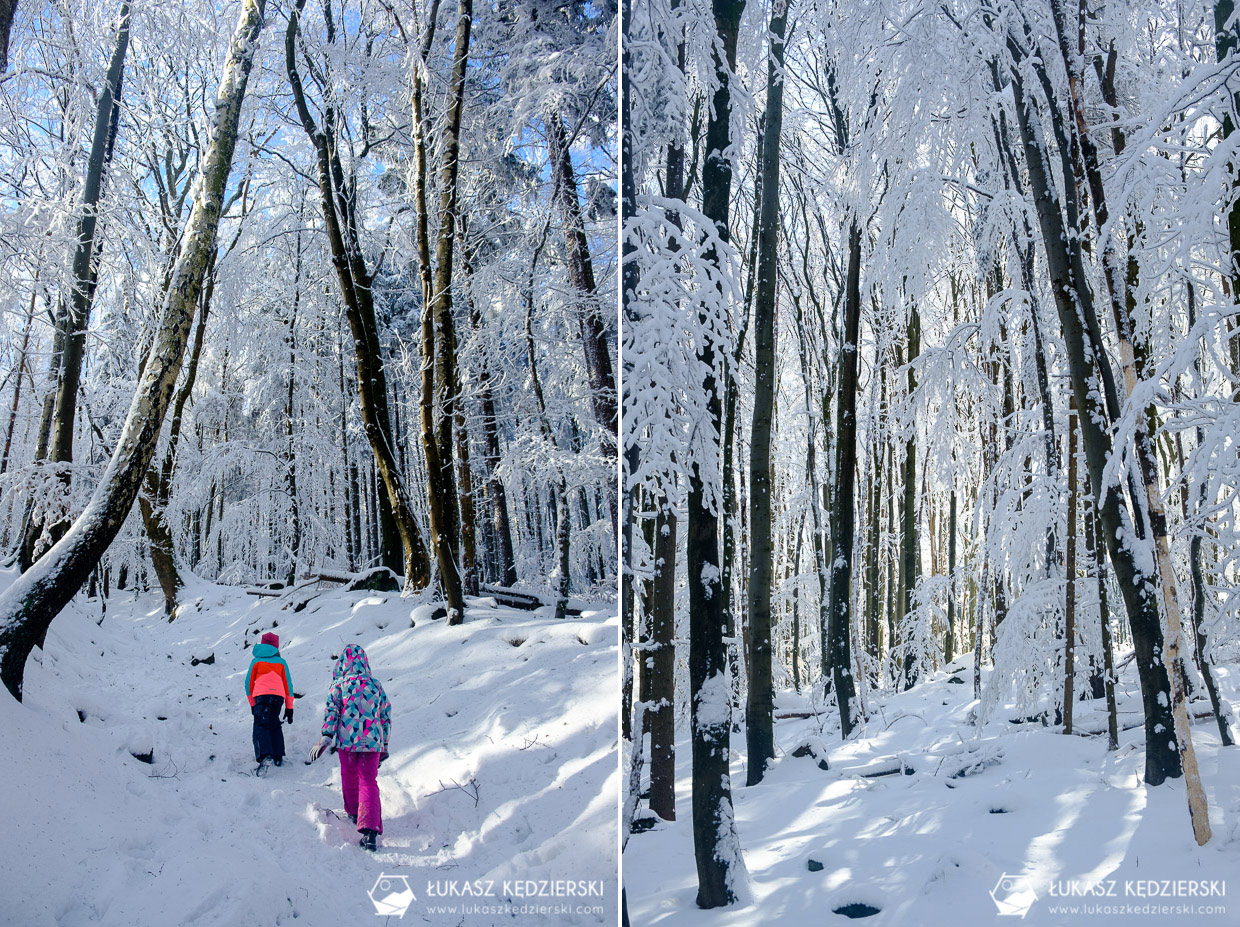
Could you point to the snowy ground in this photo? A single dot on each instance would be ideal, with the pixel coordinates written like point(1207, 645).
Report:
point(926, 848)
point(503, 769)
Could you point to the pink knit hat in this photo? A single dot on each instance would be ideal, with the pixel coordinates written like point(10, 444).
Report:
point(272, 639)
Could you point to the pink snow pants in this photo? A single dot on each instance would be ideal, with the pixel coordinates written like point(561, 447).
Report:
point(359, 780)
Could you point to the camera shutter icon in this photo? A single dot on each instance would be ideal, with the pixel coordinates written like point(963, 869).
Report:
point(391, 894)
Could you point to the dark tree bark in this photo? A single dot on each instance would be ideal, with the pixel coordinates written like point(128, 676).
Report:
point(910, 543)
point(398, 530)
point(760, 702)
point(439, 399)
point(497, 497)
point(75, 314)
point(660, 659)
point(1226, 41)
point(581, 272)
point(1069, 624)
point(715, 844)
point(1072, 294)
point(843, 512)
point(22, 367)
point(28, 606)
point(8, 9)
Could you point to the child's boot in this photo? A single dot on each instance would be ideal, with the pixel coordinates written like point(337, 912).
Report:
point(370, 839)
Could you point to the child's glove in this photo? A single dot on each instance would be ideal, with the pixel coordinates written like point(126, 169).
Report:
point(288, 716)
point(317, 750)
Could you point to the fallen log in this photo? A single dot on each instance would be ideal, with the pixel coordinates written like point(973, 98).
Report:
point(524, 601)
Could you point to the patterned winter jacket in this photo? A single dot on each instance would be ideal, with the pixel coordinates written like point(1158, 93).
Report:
point(358, 715)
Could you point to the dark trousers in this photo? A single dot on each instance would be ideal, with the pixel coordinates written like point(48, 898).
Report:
point(268, 732)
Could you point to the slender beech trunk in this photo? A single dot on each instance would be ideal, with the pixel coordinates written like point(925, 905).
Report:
point(439, 377)
point(760, 703)
point(1131, 355)
point(398, 530)
point(1095, 556)
point(909, 540)
point(1069, 624)
point(75, 315)
point(20, 368)
point(1073, 300)
point(660, 657)
point(843, 512)
point(597, 353)
point(28, 606)
point(1226, 43)
point(157, 485)
point(715, 842)
point(559, 487)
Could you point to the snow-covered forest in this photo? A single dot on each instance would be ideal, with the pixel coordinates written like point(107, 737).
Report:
point(931, 355)
point(399, 350)
point(308, 331)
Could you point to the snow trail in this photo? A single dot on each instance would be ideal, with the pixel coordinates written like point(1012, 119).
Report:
point(502, 765)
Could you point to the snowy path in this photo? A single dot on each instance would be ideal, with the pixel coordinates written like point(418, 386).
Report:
point(502, 766)
point(925, 847)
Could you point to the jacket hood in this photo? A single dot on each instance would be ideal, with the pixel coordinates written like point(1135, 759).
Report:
point(352, 662)
point(261, 651)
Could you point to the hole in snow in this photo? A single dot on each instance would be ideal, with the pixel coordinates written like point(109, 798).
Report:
point(857, 909)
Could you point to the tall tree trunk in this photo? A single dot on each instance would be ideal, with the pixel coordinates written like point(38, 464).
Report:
point(396, 520)
point(28, 606)
point(760, 702)
point(439, 399)
point(1069, 632)
point(1073, 301)
point(497, 497)
point(76, 314)
point(715, 843)
point(1226, 43)
point(20, 368)
point(559, 487)
point(1132, 357)
point(910, 543)
point(8, 9)
point(157, 485)
point(590, 318)
point(660, 657)
point(843, 512)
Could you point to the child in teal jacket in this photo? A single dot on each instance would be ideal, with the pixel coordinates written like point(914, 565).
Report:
point(268, 686)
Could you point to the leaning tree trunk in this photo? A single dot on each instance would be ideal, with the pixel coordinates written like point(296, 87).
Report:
point(760, 701)
point(28, 606)
point(716, 845)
